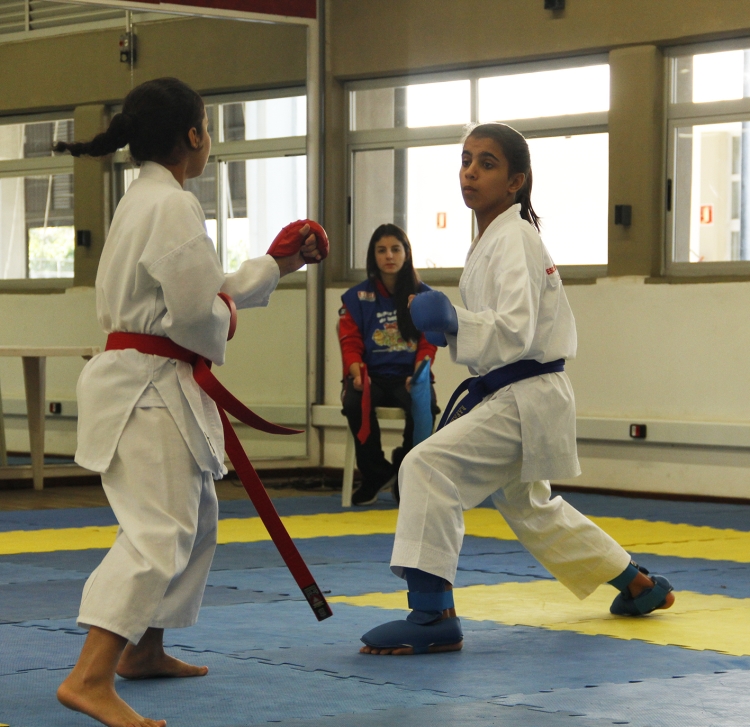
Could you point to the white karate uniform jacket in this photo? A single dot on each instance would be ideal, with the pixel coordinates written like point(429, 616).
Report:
point(516, 309)
point(159, 274)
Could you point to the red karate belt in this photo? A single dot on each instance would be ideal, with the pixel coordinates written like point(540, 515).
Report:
point(364, 428)
point(226, 402)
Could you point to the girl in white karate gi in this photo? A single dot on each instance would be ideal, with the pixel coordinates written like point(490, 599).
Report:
point(514, 334)
point(144, 423)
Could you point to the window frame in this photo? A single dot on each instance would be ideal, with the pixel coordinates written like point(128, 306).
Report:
point(35, 167)
point(679, 115)
point(410, 137)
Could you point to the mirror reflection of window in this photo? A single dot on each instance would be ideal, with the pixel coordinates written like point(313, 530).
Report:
point(255, 182)
point(263, 195)
point(265, 118)
point(37, 237)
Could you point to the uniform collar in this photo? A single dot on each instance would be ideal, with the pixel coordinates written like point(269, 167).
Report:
point(155, 171)
point(512, 212)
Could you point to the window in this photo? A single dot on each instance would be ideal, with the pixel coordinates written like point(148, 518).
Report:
point(708, 201)
point(36, 201)
point(255, 182)
point(24, 19)
point(404, 156)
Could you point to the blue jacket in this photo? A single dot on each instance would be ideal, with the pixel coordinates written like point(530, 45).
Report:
point(373, 311)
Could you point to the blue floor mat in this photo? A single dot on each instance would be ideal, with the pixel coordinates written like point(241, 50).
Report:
point(75, 517)
point(30, 590)
point(48, 599)
point(352, 580)
point(236, 692)
point(13, 573)
point(271, 661)
point(718, 515)
point(83, 561)
point(497, 660)
point(345, 549)
point(713, 514)
point(26, 649)
point(696, 700)
point(301, 505)
point(14, 460)
point(452, 714)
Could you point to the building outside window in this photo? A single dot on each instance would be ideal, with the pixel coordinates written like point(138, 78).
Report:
point(404, 151)
point(37, 238)
point(255, 182)
point(708, 186)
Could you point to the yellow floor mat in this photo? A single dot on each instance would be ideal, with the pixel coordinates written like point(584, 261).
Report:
point(641, 536)
point(696, 621)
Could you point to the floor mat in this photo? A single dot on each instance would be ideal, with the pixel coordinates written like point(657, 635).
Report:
point(695, 700)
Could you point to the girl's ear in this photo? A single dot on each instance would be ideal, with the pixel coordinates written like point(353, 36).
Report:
point(516, 182)
point(195, 139)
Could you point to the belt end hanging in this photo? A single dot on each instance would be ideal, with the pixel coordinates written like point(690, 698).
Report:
point(317, 602)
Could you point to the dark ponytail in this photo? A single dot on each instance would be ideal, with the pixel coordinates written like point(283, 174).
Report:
point(516, 151)
point(155, 120)
point(407, 279)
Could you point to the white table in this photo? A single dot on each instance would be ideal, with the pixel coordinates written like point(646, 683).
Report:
point(34, 373)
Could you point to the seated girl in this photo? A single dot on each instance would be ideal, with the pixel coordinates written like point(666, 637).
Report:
point(381, 348)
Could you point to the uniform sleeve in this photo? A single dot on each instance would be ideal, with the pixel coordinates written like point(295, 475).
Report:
point(251, 286)
point(503, 331)
point(350, 338)
point(190, 277)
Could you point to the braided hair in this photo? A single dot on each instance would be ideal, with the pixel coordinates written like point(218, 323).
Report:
point(516, 151)
point(155, 120)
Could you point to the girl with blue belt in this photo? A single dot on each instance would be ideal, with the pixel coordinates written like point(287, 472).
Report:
point(515, 428)
point(381, 348)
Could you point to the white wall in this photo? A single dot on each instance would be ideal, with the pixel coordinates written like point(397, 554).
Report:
point(265, 365)
point(645, 353)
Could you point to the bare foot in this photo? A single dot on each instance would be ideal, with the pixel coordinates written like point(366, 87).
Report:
point(641, 582)
point(160, 666)
point(100, 701)
point(148, 660)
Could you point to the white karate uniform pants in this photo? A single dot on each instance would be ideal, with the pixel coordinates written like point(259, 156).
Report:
point(156, 572)
point(477, 456)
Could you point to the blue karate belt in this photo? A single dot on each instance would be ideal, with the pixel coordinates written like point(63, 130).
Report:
point(478, 387)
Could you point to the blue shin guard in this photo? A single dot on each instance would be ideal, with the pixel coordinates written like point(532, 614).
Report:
point(424, 626)
point(647, 601)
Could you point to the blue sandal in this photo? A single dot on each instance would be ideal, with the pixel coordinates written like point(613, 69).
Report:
point(420, 637)
point(649, 600)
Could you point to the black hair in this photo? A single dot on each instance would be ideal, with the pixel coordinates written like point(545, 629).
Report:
point(516, 151)
point(407, 279)
point(155, 120)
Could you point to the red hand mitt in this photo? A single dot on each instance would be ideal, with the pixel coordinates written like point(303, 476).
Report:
point(289, 241)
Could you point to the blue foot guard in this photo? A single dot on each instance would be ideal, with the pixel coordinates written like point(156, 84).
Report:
point(425, 626)
point(647, 601)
